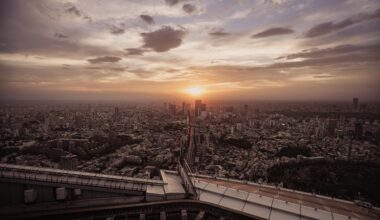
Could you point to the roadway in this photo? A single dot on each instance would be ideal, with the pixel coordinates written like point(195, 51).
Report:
point(323, 203)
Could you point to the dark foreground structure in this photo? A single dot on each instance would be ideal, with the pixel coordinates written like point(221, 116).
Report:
point(44, 193)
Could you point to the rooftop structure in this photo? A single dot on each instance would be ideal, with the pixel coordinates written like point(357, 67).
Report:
point(82, 195)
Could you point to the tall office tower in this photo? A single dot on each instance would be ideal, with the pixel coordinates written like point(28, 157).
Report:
point(89, 108)
point(185, 108)
point(198, 104)
point(201, 137)
point(358, 134)
point(355, 103)
point(203, 107)
point(245, 111)
point(68, 162)
point(189, 152)
point(116, 113)
point(331, 126)
point(172, 108)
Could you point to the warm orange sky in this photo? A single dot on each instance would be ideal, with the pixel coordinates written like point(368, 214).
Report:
point(117, 49)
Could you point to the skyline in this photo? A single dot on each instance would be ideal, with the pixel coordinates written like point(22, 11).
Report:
point(249, 50)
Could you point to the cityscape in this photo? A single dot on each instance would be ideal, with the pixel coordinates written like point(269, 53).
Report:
point(217, 115)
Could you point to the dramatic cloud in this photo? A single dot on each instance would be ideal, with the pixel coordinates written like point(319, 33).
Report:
point(275, 2)
point(104, 59)
point(163, 39)
point(324, 76)
point(135, 51)
point(51, 46)
point(273, 32)
point(116, 30)
point(218, 33)
point(373, 49)
point(329, 27)
point(72, 9)
point(188, 8)
point(25, 28)
point(60, 35)
point(148, 19)
point(172, 2)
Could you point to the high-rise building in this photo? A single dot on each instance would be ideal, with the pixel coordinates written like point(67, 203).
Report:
point(172, 108)
point(198, 106)
point(245, 111)
point(358, 130)
point(331, 127)
point(185, 108)
point(68, 162)
point(203, 107)
point(355, 103)
point(116, 113)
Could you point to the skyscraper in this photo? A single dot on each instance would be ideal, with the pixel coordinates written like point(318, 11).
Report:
point(355, 103)
point(172, 108)
point(185, 108)
point(331, 126)
point(198, 107)
point(116, 114)
point(358, 130)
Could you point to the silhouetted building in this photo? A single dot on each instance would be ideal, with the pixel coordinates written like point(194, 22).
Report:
point(355, 103)
point(331, 127)
point(68, 162)
point(185, 108)
point(198, 106)
point(116, 114)
point(203, 107)
point(245, 111)
point(358, 134)
point(172, 109)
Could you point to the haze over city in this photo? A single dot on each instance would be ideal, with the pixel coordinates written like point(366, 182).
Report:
point(235, 50)
point(190, 109)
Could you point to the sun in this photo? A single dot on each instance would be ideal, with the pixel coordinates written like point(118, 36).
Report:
point(194, 91)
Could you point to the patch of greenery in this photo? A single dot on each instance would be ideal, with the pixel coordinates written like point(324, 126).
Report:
point(341, 179)
point(291, 151)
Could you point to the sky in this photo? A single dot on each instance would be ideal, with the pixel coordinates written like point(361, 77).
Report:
point(159, 49)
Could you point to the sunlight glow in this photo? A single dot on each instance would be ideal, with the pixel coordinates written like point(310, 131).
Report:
point(194, 91)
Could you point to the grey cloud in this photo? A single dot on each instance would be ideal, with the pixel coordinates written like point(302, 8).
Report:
point(329, 61)
point(117, 30)
point(135, 51)
point(171, 2)
point(365, 56)
point(188, 8)
point(115, 69)
point(218, 33)
point(273, 31)
point(323, 76)
point(163, 39)
point(66, 66)
point(60, 35)
point(142, 73)
point(23, 30)
point(336, 51)
point(72, 9)
point(118, 69)
point(148, 19)
point(104, 59)
point(329, 27)
point(274, 2)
